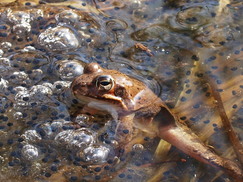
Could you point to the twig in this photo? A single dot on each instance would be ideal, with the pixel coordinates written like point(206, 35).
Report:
point(237, 146)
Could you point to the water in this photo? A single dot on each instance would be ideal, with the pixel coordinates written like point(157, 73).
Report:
point(44, 45)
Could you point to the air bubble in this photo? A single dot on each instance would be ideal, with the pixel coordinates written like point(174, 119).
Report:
point(30, 152)
point(20, 89)
point(3, 85)
point(137, 147)
point(6, 45)
point(68, 69)
point(18, 115)
point(58, 39)
point(82, 119)
point(31, 136)
point(19, 77)
point(19, 17)
point(4, 65)
point(80, 138)
point(56, 125)
point(39, 92)
point(95, 154)
point(28, 49)
point(67, 17)
point(1, 52)
point(21, 29)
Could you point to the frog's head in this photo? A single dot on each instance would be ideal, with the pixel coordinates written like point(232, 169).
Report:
point(100, 87)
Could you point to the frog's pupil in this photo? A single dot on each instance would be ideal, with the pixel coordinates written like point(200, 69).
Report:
point(105, 83)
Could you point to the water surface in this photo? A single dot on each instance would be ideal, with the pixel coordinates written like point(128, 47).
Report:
point(45, 44)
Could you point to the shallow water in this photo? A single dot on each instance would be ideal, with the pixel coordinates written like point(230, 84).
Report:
point(44, 45)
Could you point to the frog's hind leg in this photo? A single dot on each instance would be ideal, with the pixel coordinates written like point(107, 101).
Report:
point(184, 139)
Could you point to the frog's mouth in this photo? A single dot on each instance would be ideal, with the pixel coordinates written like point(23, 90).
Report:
point(101, 105)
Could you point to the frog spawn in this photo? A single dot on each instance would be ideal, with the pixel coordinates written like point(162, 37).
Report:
point(28, 38)
point(80, 145)
point(67, 19)
point(62, 134)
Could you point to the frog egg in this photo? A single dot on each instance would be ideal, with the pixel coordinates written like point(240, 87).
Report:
point(30, 60)
point(56, 125)
point(3, 85)
point(192, 18)
point(68, 69)
point(211, 35)
point(18, 115)
point(67, 17)
point(60, 86)
point(4, 103)
point(36, 75)
point(31, 136)
point(36, 14)
point(80, 138)
point(48, 85)
point(4, 65)
point(58, 39)
point(116, 25)
point(45, 130)
point(82, 119)
point(30, 152)
point(135, 4)
point(37, 95)
point(40, 92)
point(49, 130)
point(21, 99)
point(6, 45)
point(20, 89)
point(137, 147)
point(1, 52)
point(19, 77)
point(28, 49)
point(21, 29)
point(18, 17)
point(114, 143)
point(95, 154)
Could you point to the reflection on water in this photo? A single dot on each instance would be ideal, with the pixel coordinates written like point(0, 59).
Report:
point(45, 44)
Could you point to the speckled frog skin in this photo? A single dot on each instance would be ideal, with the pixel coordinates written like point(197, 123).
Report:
point(133, 104)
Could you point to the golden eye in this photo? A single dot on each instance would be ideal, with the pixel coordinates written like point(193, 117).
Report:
point(104, 82)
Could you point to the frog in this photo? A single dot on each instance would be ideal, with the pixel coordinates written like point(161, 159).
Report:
point(134, 105)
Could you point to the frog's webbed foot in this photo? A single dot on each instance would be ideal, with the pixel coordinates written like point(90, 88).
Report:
point(184, 139)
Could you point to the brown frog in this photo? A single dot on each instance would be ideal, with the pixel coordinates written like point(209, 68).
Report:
point(133, 105)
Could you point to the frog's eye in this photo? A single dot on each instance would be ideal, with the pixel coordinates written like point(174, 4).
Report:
point(104, 82)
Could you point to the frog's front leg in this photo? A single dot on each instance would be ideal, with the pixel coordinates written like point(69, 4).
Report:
point(181, 137)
